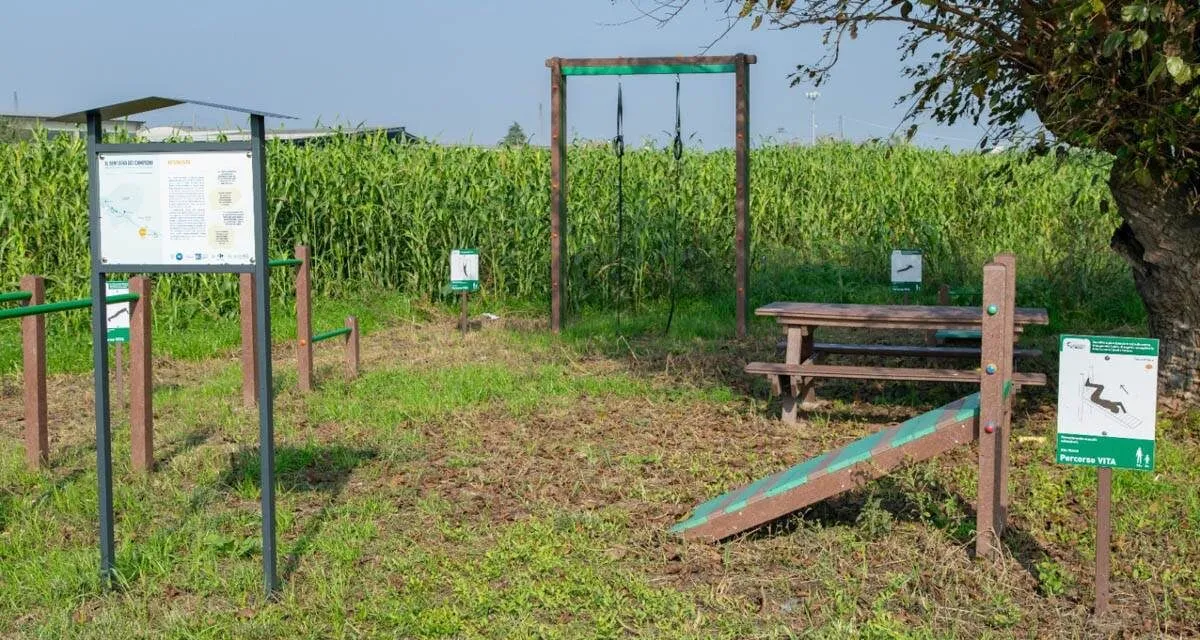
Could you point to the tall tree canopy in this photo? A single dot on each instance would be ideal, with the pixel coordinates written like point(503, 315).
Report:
point(1119, 76)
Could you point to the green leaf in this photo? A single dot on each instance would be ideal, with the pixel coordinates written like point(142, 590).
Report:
point(905, 9)
point(1179, 70)
point(1112, 42)
point(1138, 39)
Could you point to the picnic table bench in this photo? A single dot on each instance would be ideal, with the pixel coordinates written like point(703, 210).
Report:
point(793, 378)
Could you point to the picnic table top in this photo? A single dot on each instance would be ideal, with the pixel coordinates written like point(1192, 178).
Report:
point(823, 314)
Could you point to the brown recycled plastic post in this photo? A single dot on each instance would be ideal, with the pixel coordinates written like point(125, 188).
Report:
point(119, 373)
point(352, 348)
point(558, 189)
point(33, 356)
point(991, 407)
point(249, 362)
point(943, 300)
point(462, 316)
point(304, 352)
point(141, 378)
point(742, 189)
point(1103, 537)
point(1004, 443)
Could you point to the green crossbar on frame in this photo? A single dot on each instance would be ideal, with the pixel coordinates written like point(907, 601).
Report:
point(860, 450)
point(633, 70)
point(344, 331)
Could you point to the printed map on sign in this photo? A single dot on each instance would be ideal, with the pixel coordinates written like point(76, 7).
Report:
point(177, 208)
point(1108, 392)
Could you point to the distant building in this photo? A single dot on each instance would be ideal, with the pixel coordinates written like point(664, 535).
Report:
point(296, 136)
point(25, 124)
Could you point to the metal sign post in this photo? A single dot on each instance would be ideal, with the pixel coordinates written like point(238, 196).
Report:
point(1107, 404)
point(178, 208)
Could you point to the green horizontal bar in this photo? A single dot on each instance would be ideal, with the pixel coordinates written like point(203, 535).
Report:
point(285, 262)
point(344, 331)
point(15, 296)
point(634, 70)
point(66, 305)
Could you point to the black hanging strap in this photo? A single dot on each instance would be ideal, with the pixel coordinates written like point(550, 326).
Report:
point(619, 149)
point(677, 151)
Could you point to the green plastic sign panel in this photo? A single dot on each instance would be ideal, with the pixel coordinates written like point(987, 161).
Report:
point(118, 314)
point(1107, 401)
point(906, 270)
point(464, 270)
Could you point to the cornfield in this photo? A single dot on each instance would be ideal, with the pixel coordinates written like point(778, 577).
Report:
point(380, 214)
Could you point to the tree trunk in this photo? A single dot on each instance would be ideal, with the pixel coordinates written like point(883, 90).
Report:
point(1160, 238)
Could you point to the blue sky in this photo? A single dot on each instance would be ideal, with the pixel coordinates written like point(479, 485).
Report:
point(453, 70)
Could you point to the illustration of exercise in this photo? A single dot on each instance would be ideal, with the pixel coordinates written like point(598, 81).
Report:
point(1097, 398)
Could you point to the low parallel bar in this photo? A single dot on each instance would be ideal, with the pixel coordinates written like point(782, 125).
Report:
point(66, 305)
point(285, 262)
point(15, 296)
point(344, 331)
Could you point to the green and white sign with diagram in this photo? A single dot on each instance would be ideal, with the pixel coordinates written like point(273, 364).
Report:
point(117, 314)
point(906, 270)
point(1107, 401)
point(464, 270)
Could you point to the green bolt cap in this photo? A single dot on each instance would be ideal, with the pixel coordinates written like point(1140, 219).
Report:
point(992, 310)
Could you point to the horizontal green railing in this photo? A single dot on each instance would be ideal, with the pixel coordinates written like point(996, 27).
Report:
point(15, 296)
point(344, 331)
point(285, 262)
point(633, 70)
point(65, 305)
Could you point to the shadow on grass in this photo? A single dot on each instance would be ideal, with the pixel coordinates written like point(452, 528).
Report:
point(324, 469)
point(925, 501)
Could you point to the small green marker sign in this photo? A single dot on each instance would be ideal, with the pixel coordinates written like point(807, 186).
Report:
point(464, 270)
point(117, 314)
point(1107, 401)
point(906, 270)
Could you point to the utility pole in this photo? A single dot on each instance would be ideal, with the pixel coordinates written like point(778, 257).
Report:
point(842, 128)
point(812, 96)
point(16, 104)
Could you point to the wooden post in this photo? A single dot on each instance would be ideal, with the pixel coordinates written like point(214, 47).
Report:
point(794, 390)
point(558, 188)
point(1004, 443)
point(33, 356)
point(991, 407)
point(742, 191)
point(118, 374)
point(249, 361)
point(141, 378)
point(462, 316)
point(304, 352)
point(1103, 537)
point(352, 348)
point(943, 300)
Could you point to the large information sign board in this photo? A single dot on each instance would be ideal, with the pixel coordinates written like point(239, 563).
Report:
point(177, 208)
point(1107, 400)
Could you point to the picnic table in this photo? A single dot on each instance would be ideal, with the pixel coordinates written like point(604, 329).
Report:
point(793, 378)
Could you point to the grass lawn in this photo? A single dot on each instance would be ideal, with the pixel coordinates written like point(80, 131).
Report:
point(513, 484)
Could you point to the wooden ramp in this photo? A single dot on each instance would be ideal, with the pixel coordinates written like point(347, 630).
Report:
point(834, 472)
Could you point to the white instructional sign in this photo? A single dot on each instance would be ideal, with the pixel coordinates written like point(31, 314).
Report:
point(1107, 400)
point(177, 208)
point(464, 270)
point(117, 314)
point(906, 270)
